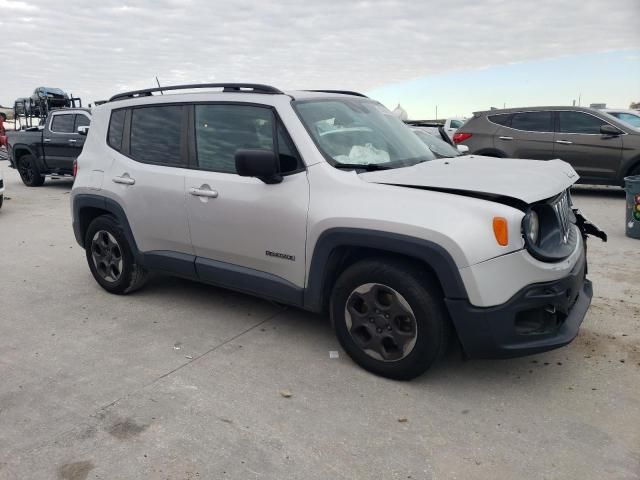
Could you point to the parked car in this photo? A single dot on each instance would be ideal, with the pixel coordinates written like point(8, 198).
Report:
point(50, 149)
point(439, 147)
point(328, 202)
point(601, 148)
point(632, 117)
point(48, 98)
point(451, 125)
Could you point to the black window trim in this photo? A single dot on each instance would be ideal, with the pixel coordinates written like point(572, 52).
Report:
point(557, 123)
point(193, 155)
point(187, 138)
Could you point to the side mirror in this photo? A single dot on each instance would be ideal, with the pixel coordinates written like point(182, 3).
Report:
point(262, 164)
point(83, 130)
point(463, 149)
point(607, 129)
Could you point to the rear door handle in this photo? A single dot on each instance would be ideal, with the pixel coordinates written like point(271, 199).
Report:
point(47, 140)
point(72, 140)
point(200, 192)
point(124, 180)
point(505, 138)
point(564, 142)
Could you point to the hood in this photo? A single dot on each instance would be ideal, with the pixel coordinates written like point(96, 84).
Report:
point(525, 180)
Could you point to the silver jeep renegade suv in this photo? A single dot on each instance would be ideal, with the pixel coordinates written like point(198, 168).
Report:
point(327, 202)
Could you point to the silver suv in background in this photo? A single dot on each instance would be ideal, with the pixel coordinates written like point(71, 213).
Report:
point(601, 148)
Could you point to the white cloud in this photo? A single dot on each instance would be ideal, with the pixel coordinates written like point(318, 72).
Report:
point(291, 44)
point(10, 5)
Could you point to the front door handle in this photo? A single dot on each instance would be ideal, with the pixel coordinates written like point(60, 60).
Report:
point(47, 140)
point(202, 192)
point(564, 142)
point(505, 138)
point(72, 140)
point(124, 180)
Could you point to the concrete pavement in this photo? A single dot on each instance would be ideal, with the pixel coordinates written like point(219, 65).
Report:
point(185, 381)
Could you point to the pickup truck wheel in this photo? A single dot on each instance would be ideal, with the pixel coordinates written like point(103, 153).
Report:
point(110, 258)
point(389, 317)
point(29, 171)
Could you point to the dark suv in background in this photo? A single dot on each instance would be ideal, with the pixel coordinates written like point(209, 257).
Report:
point(601, 148)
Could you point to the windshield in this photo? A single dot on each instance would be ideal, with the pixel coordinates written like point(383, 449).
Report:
point(438, 146)
point(353, 132)
point(630, 118)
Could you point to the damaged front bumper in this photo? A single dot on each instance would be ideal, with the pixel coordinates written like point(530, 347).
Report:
point(539, 317)
point(587, 228)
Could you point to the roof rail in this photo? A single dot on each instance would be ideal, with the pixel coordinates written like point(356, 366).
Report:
point(226, 87)
point(342, 92)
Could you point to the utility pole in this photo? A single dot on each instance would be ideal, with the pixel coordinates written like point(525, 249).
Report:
point(579, 99)
point(436, 112)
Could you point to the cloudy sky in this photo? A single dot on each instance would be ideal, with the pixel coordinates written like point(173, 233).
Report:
point(95, 49)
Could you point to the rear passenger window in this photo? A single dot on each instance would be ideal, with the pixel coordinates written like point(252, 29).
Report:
point(155, 135)
point(503, 119)
point(532, 121)
point(221, 130)
point(578, 122)
point(116, 128)
point(456, 123)
point(62, 123)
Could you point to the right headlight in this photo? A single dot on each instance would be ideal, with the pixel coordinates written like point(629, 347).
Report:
point(531, 226)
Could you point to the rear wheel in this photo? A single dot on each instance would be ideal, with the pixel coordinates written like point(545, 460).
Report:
point(389, 317)
point(110, 257)
point(29, 171)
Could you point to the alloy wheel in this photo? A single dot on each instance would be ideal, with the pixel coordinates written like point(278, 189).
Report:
point(381, 322)
point(107, 256)
point(26, 171)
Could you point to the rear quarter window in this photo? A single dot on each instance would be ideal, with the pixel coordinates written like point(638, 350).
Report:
point(116, 129)
point(503, 119)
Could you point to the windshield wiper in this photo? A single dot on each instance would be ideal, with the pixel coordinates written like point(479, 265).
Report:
point(369, 167)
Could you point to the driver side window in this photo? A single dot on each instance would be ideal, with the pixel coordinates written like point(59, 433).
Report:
point(223, 129)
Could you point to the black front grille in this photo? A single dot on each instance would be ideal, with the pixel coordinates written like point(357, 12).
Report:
point(562, 208)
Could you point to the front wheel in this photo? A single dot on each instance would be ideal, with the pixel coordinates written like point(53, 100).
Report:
point(389, 317)
point(110, 257)
point(29, 171)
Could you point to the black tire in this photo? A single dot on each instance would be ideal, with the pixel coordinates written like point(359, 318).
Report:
point(112, 262)
point(29, 171)
point(1, 200)
point(423, 295)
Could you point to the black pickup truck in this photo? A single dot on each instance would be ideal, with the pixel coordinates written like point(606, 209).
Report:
point(49, 149)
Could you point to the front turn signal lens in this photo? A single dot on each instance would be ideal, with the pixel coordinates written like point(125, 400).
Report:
point(501, 231)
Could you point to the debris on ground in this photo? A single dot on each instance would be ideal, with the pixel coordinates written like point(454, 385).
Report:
point(286, 393)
